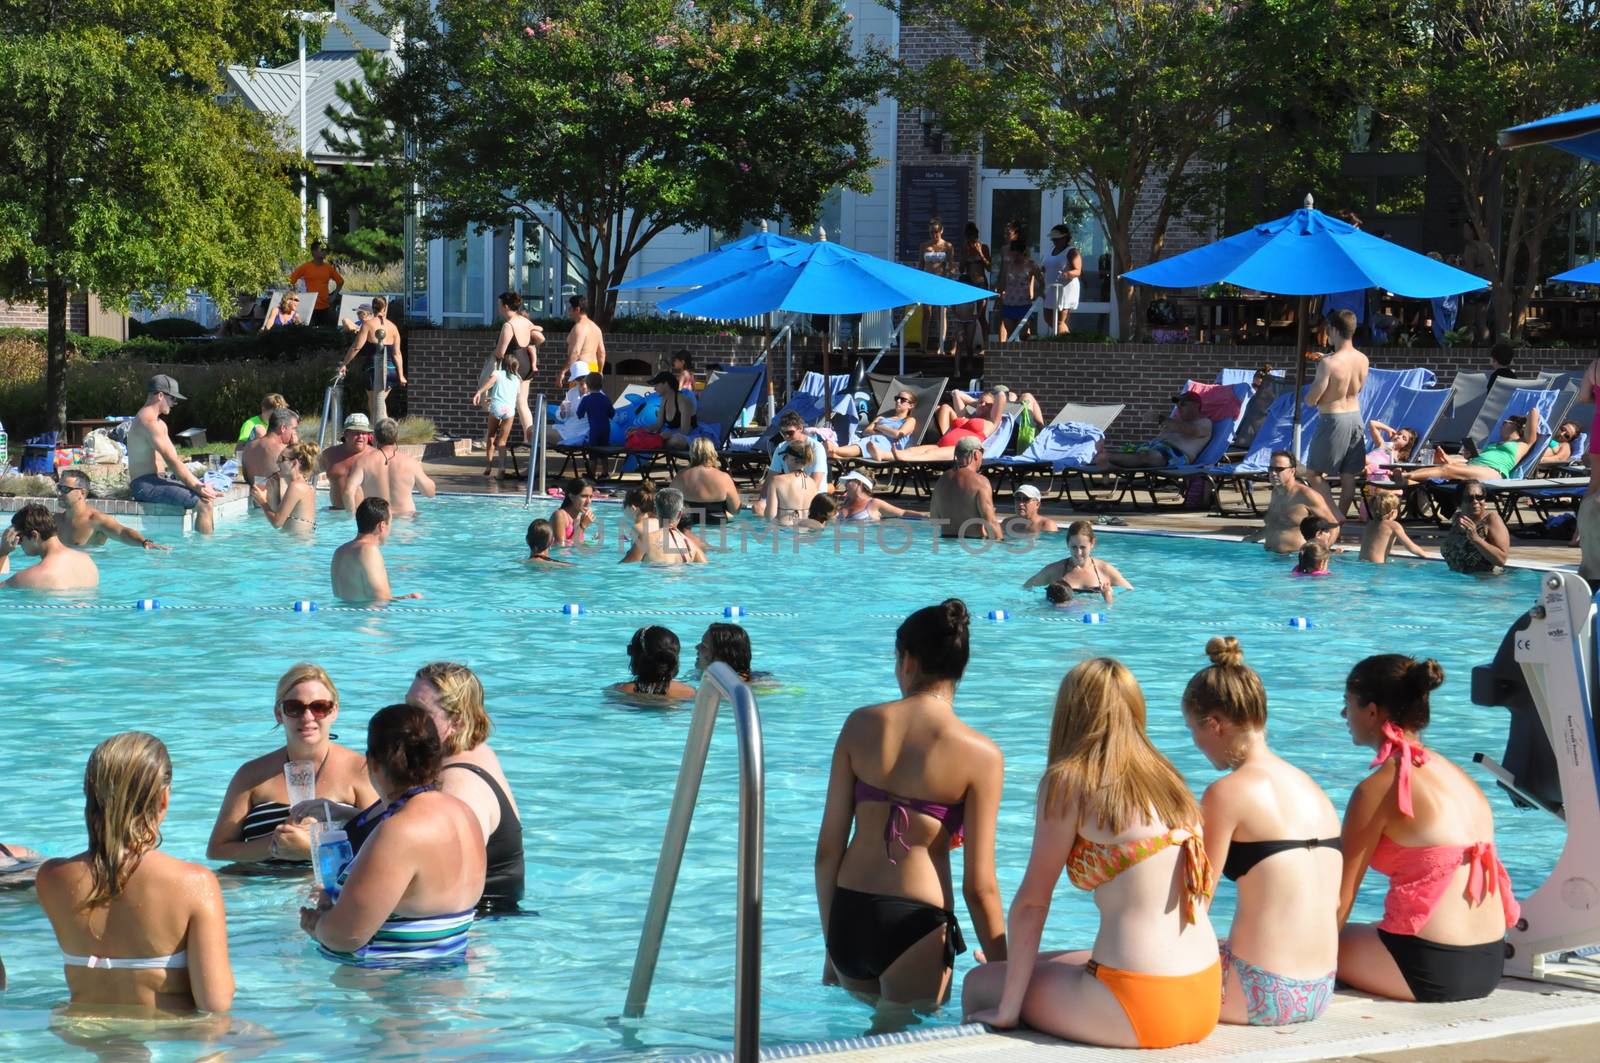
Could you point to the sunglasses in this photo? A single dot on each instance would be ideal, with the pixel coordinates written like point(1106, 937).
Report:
point(66, 489)
point(1280, 468)
point(903, 398)
point(296, 709)
point(1477, 498)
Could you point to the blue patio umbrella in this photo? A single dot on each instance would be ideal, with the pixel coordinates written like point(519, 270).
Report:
point(1588, 273)
point(735, 257)
point(1308, 253)
point(823, 278)
point(1575, 131)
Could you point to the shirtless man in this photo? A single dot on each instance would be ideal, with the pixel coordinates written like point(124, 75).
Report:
point(259, 459)
point(1339, 445)
point(584, 342)
point(80, 524)
point(1291, 503)
point(60, 567)
point(963, 499)
point(150, 450)
point(667, 544)
point(1180, 440)
point(384, 471)
point(339, 461)
point(359, 576)
point(1028, 521)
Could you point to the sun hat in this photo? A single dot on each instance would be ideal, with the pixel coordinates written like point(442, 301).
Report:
point(357, 422)
point(1029, 491)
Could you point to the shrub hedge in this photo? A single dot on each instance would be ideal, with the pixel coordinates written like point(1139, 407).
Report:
point(221, 396)
point(272, 346)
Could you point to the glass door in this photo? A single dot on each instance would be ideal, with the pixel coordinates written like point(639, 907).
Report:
point(1006, 196)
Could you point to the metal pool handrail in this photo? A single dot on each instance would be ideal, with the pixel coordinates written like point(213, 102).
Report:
point(720, 682)
point(536, 451)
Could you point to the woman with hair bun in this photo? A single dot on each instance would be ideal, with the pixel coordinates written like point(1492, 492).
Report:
point(653, 660)
point(915, 782)
point(408, 896)
point(136, 927)
point(1425, 824)
point(1274, 833)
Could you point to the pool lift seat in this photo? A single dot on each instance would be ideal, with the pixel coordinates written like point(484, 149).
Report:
point(1545, 674)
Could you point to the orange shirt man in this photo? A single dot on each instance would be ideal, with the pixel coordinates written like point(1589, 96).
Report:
point(316, 275)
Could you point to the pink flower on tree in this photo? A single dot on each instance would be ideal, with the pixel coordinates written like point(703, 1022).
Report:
point(744, 167)
point(527, 31)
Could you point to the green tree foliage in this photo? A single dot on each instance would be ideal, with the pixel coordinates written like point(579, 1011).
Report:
point(625, 117)
point(1115, 96)
point(1469, 68)
point(120, 173)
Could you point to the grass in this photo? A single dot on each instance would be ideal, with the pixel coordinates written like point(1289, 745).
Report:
point(412, 429)
point(224, 449)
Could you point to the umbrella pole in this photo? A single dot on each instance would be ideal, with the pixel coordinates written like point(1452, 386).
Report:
point(1302, 340)
point(827, 382)
point(766, 344)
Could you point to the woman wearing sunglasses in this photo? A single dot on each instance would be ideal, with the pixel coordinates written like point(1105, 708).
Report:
point(254, 824)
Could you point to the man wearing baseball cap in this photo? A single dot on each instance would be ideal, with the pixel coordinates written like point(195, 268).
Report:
point(150, 450)
point(963, 499)
point(339, 461)
point(1182, 437)
point(1028, 521)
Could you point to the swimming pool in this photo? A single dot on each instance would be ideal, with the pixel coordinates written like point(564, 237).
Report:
point(594, 778)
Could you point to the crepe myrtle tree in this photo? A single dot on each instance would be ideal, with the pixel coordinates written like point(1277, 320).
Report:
point(1114, 96)
point(120, 171)
point(625, 117)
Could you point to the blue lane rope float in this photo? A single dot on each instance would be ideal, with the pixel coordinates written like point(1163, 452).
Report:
point(145, 605)
point(304, 606)
point(997, 614)
point(733, 610)
point(572, 609)
point(1302, 623)
point(1094, 618)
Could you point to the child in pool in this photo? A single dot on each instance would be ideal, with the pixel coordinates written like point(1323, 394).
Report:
point(1058, 594)
point(1382, 530)
point(541, 533)
point(1313, 560)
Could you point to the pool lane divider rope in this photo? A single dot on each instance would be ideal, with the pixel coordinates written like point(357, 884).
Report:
point(578, 609)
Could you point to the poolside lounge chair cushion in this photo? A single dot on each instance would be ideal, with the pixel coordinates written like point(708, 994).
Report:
point(1068, 445)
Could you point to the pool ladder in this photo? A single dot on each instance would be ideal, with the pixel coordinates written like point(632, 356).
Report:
point(536, 451)
point(719, 682)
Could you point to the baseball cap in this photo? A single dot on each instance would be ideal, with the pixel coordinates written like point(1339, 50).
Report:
point(1029, 491)
point(357, 422)
point(662, 377)
point(859, 477)
point(1187, 396)
point(162, 384)
point(966, 445)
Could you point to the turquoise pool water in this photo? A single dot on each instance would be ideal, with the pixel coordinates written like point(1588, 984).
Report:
point(594, 778)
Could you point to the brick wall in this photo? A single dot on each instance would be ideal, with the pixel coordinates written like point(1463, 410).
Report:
point(30, 316)
point(1145, 376)
point(442, 366)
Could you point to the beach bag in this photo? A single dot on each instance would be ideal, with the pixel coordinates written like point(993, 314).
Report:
point(1025, 431)
point(39, 455)
point(1197, 493)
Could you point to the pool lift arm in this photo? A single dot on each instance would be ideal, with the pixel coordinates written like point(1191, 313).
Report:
point(1544, 673)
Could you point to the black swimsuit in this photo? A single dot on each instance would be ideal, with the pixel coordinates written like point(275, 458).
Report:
point(503, 879)
point(1242, 856)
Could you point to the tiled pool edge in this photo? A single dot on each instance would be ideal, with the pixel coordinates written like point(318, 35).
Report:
point(1527, 1008)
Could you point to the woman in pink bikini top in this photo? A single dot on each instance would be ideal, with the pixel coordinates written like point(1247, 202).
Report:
point(1421, 821)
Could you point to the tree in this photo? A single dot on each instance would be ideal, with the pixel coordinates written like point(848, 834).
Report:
point(625, 117)
point(1470, 68)
point(1114, 95)
point(120, 173)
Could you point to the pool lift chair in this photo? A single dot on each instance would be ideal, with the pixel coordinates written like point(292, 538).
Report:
point(1545, 674)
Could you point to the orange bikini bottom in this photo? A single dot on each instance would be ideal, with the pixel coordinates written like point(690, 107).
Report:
point(1166, 1010)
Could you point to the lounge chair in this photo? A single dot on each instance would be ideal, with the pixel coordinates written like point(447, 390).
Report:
point(719, 407)
point(1223, 431)
point(1552, 406)
point(1057, 448)
point(926, 390)
point(1080, 413)
point(1467, 392)
point(921, 474)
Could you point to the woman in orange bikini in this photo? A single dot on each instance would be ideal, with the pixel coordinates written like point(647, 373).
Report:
point(1425, 824)
point(1117, 815)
